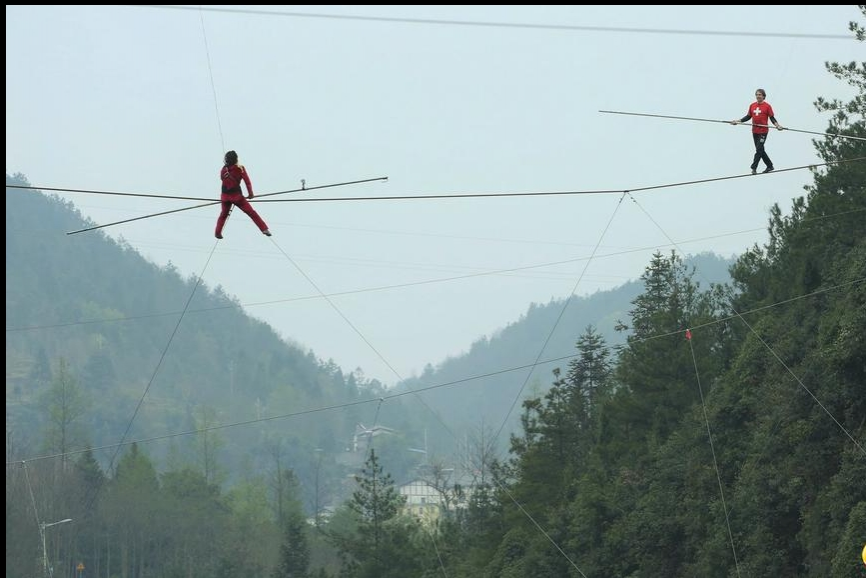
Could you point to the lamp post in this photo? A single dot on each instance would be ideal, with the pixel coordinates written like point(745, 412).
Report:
point(46, 569)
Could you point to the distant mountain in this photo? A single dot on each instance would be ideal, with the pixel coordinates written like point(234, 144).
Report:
point(114, 319)
point(475, 390)
point(151, 354)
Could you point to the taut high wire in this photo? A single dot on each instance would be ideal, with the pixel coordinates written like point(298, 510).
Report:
point(303, 188)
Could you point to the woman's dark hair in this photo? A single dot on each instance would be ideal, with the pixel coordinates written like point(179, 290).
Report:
point(231, 158)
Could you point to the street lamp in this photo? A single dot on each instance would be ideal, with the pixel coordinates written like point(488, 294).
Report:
point(46, 569)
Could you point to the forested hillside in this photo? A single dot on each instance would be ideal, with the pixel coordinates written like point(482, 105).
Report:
point(486, 391)
point(728, 437)
point(714, 431)
point(105, 349)
point(144, 353)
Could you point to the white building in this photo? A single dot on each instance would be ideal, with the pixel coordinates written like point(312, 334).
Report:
point(363, 435)
point(422, 500)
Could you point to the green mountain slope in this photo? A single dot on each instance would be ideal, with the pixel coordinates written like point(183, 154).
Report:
point(154, 354)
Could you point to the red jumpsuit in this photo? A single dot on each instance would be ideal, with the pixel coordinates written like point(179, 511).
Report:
point(231, 176)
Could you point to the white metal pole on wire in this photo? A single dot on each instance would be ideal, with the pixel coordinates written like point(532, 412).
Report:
point(729, 122)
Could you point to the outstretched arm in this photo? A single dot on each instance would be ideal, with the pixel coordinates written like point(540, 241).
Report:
point(247, 182)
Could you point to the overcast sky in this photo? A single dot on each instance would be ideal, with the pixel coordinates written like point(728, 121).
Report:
point(440, 100)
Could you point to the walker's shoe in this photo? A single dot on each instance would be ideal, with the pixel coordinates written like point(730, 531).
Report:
point(754, 171)
point(218, 236)
point(267, 232)
point(768, 170)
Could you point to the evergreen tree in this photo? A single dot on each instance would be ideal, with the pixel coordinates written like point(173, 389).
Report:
point(87, 482)
point(294, 551)
point(132, 516)
point(382, 545)
point(589, 379)
point(557, 431)
point(655, 372)
point(65, 404)
point(798, 379)
point(195, 521)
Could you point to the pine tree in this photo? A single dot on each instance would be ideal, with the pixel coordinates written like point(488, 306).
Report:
point(374, 502)
point(294, 551)
point(131, 513)
point(589, 377)
point(384, 544)
point(800, 481)
point(655, 369)
point(65, 404)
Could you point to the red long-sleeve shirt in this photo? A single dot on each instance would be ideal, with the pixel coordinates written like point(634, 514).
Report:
point(232, 176)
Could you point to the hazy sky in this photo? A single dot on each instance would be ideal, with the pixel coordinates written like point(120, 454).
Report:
point(147, 100)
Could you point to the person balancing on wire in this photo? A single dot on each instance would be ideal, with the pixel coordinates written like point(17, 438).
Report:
point(761, 114)
point(232, 174)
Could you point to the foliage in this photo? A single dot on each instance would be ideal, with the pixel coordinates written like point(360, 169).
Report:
point(722, 436)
